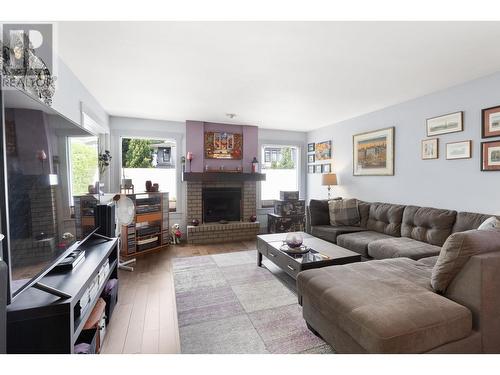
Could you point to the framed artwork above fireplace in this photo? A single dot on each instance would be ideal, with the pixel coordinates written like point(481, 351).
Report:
point(223, 145)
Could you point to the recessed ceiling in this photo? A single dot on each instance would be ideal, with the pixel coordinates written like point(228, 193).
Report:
point(277, 75)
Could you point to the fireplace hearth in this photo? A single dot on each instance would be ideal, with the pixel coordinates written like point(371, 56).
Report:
point(221, 204)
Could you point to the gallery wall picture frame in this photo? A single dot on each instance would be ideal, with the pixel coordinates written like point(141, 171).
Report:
point(490, 156)
point(430, 149)
point(459, 150)
point(490, 122)
point(311, 158)
point(449, 123)
point(310, 169)
point(317, 168)
point(323, 150)
point(310, 147)
point(326, 168)
point(373, 153)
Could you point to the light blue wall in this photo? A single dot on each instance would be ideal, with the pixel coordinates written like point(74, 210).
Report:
point(69, 95)
point(454, 184)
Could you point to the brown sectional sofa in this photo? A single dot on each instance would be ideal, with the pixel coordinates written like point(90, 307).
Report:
point(390, 230)
point(388, 305)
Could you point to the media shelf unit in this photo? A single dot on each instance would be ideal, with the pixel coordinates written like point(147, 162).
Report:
point(150, 230)
point(38, 322)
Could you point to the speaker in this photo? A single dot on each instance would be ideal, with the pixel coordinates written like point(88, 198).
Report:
point(105, 219)
point(3, 307)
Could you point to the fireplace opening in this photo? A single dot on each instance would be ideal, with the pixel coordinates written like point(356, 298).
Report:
point(221, 204)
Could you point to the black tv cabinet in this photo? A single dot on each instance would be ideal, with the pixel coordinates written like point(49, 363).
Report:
point(38, 322)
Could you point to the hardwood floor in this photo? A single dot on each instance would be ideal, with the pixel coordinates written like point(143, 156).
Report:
point(145, 318)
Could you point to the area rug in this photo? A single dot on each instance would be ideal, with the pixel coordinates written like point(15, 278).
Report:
point(226, 304)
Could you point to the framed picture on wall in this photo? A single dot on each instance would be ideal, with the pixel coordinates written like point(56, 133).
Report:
point(491, 122)
point(458, 150)
point(373, 153)
point(311, 158)
point(490, 156)
point(327, 168)
point(317, 168)
point(323, 150)
point(430, 149)
point(310, 169)
point(450, 123)
point(223, 145)
point(310, 147)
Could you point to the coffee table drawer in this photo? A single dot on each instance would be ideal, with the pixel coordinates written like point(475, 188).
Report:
point(283, 262)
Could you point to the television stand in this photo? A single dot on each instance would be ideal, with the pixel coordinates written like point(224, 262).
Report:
point(40, 322)
point(51, 290)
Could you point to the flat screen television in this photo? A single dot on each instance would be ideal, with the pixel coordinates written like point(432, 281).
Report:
point(49, 171)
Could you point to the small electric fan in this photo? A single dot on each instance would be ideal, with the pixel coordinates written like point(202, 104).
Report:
point(125, 213)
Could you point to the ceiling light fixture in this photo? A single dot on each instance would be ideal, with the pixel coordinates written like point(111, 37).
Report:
point(231, 115)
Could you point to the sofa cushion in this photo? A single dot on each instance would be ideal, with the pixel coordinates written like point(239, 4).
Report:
point(385, 218)
point(401, 247)
point(344, 212)
point(358, 242)
point(457, 250)
point(381, 309)
point(430, 261)
point(318, 212)
point(330, 233)
point(469, 220)
point(427, 224)
point(491, 223)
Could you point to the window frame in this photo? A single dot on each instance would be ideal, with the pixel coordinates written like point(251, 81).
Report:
point(269, 203)
point(69, 166)
point(151, 137)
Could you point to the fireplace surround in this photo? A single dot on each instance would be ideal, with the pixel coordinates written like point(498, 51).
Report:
point(239, 226)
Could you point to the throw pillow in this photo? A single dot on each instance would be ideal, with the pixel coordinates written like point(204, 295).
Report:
point(490, 224)
point(344, 212)
point(457, 250)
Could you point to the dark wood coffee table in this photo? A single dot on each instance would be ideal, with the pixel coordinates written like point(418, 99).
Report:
point(321, 254)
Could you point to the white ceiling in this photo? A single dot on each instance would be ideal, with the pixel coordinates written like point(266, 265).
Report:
point(278, 75)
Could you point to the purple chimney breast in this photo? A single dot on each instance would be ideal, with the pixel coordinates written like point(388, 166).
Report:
point(195, 135)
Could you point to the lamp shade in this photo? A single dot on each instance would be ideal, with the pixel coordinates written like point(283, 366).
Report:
point(329, 179)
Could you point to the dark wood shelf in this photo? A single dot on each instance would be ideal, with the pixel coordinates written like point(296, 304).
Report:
point(82, 319)
point(222, 176)
point(39, 322)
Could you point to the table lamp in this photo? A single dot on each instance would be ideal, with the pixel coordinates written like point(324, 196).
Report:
point(329, 179)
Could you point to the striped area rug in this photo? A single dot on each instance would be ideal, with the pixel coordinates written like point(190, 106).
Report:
point(226, 304)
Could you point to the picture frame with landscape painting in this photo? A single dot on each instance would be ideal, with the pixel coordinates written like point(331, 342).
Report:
point(491, 122)
point(373, 153)
point(459, 150)
point(450, 123)
point(490, 156)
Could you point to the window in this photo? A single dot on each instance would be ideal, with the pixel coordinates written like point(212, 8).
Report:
point(281, 166)
point(146, 159)
point(82, 164)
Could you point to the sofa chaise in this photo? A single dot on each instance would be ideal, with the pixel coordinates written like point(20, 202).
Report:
point(434, 290)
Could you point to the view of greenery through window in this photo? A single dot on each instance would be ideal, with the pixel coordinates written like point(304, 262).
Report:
point(83, 157)
point(153, 160)
point(286, 161)
point(137, 153)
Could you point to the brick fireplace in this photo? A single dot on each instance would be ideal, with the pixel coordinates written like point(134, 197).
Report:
point(212, 232)
point(226, 178)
